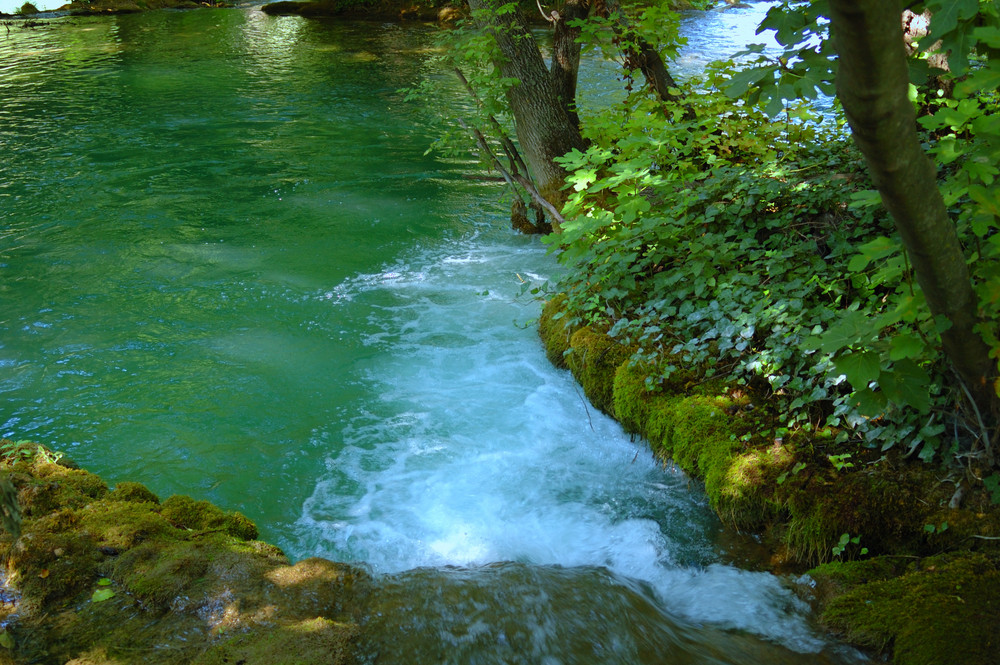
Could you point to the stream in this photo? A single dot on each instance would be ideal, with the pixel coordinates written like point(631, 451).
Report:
point(229, 269)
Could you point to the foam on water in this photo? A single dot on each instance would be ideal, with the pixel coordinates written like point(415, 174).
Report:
point(479, 451)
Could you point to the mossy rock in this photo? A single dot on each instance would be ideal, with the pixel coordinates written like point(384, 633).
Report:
point(555, 330)
point(121, 524)
point(635, 404)
point(943, 611)
point(745, 495)
point(45, 486)
point(835, 578)
point(51, 567)
point(132, 493)
point(964, 528)
point(594, 358)
point(188, 513)
point(885, 508)
point(158, 572)
point(316, 641)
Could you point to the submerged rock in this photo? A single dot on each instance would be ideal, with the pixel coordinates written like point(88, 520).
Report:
point(118, 577)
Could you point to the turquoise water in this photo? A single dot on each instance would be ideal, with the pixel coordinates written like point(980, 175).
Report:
point(229, 269)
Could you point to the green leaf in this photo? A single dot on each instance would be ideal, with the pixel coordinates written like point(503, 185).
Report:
point(946, 14)
point(861, 368)
point(741, 81)
point(6, 641)
point(104, 581)
point(101, 595)
point(987, 34)
point(869, 403)
point(854, 327)
point(992, 483)
point(876, 249)
point(907, 384)
point(906, 345)
point(987, 78)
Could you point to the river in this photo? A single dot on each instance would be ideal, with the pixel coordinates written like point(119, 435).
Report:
point(229, 269)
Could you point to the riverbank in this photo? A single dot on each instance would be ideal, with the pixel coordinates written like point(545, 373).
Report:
point(103, 575)
point(894, 564)
point(109, 7)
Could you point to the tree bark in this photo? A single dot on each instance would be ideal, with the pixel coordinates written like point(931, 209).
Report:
point(565, 67)
point(640, 54)
point(872, 83)
point(544, 128)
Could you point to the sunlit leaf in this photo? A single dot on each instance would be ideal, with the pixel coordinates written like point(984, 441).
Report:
point(861, 368)
point(100, 595)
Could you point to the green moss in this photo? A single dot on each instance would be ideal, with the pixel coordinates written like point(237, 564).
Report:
point(594, 360)
point(132, 492)
point(158, 572)
point(50, 567)
point(555, 331)
point(44, 486)
point(746, 493)
point(885, 508)
point(944, 611)
point(311, 642)
point(834, 578)
point(965, 529)
point(632, 398)
point(701, 441)
point(122, 525)
point(185, 512)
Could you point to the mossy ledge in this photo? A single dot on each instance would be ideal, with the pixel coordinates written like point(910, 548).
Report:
point(784, 486)
point(99, 576)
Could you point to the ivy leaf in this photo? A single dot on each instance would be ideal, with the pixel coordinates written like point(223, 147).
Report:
point(946, 14)
point(905, 345)
point(989, 199)
point(852, 328)
point(861, 368)
point(907, 384)
point(879, 248)
point(870, 403)
point(987, 78)
point(741, 81)
point(987, 34)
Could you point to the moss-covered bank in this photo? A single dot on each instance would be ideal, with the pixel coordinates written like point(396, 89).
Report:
point(118, 576)
point(812, 503)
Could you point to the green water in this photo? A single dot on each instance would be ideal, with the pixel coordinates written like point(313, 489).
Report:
point(177, 190)
point(229, 269)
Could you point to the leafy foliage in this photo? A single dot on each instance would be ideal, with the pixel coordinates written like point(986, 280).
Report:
point(736, 230)
point(746, 238)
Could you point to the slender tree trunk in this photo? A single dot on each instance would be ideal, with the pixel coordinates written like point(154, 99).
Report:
point(640, 54)
point(543, 125)
point(872, 84)
point(565, 68)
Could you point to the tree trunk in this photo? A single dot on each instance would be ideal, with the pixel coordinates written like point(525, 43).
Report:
point(565, 68)
point(640, 54)
point(872, 84)
point(544, 128)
